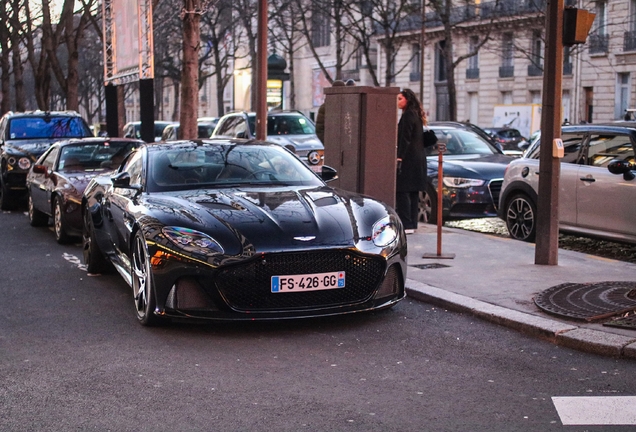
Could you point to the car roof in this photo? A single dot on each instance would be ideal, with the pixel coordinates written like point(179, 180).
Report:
point(40, 113)
point(91, 140)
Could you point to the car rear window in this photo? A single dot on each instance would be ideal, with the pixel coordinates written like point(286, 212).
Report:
point(48, 127)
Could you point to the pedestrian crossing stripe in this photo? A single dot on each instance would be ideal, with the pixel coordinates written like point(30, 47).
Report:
point(596, 410)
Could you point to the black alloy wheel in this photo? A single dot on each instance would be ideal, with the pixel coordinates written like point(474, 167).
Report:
point(94, 260)
point(143, 292)
point(59, 225)
point(36, 217)
point(521, 217)
point(428, 206)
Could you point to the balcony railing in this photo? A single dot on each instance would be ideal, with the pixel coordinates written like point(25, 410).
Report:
point(415, 76)
point(506, 71)
point(567, 68)
point(534, 70)
point(472, 73)
point(629, 43)
point(598, 43)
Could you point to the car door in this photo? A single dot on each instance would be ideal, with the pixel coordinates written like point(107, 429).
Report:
point(119, 204)
point(41, 185)
point(605, 201)
point(570, 164)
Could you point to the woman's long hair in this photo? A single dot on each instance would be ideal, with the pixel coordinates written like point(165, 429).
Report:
point(412, 103)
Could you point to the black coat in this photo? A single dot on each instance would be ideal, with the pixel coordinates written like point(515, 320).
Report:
point(412, 175)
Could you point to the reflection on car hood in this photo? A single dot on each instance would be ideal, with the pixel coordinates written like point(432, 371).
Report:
point(472, 166)
point(33, 147)
point(79, 178)
point(300, 142)
point(271, 218)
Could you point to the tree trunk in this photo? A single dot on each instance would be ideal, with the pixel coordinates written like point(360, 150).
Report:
point(4, 62)
point(190, 71)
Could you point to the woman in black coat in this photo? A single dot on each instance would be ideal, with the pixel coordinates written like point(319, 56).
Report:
point(411, 159)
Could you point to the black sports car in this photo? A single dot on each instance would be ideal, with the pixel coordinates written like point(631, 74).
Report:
point(236, 229)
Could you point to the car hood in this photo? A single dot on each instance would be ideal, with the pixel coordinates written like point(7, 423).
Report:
point(272, 219)
point(300, 142)
point(79, 178)
point(34, 147)
point(471, 166)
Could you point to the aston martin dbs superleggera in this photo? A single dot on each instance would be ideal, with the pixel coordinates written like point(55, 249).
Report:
point(235, 229)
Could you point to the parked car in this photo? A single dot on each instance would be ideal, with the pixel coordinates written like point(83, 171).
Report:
point(472, 172)
point(57, 180)
point(471, 127)
point(510, 139)
point(593, 202)
point(290, 129)
point(236, 230)
point(133, 129)
point(204, 130)
point(24, 136)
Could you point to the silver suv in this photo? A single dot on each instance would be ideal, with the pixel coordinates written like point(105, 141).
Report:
point(593, 201)
point(290, 129)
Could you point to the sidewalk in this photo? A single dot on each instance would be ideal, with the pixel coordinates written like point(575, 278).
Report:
point(496, 279)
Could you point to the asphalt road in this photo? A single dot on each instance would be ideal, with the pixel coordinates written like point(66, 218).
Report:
point(72, 357)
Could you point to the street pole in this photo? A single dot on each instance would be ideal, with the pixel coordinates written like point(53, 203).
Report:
point(547, 234)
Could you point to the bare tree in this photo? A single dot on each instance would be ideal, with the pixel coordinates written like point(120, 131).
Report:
point(5, 80)
point(286, 33)
point(191, 16)
point(247, 12)
point(221, 35)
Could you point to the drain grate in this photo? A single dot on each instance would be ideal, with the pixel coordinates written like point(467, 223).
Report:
point(429, 266)
point(628, 322)
point(588, 301)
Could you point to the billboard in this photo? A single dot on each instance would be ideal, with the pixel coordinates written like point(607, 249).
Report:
point(128, 46)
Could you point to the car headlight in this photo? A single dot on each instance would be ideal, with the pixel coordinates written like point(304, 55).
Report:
point(460, 182)
point(384, 232)
point(24, 163)
point(191, 241)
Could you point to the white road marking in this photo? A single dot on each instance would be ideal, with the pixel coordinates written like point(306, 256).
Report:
point(74, 260)
point(596, 410)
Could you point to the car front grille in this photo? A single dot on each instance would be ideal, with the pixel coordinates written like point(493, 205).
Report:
point(247, 287)
point(495, 190)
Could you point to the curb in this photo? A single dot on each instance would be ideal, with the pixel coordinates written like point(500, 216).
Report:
point(567, 335)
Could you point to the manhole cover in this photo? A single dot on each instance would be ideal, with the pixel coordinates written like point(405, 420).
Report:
point(589, 301)
point(429, 266)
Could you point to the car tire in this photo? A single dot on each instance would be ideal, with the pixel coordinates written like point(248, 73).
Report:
point(142, 282)
point(36, 217)
point(521, 217)
point(94, 259)
point(59, 225)
point(428, 206)
point(6, 197)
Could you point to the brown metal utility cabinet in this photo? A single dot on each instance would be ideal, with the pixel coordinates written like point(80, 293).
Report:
point(361, 139)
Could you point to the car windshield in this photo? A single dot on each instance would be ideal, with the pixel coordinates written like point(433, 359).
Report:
point(460, 141)
point(48, 127)
point(186, 166)
point(286, 124)
point(94, 156)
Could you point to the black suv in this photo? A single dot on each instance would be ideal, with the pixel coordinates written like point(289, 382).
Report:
point(24, 136)
point(290, 129)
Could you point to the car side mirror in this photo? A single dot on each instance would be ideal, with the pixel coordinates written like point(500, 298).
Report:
point(122, 180)
point(40, 169)
point(622, 167)
point(241, 134)
point(328, 173)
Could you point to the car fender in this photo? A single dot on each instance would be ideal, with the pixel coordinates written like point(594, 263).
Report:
point(512, 188)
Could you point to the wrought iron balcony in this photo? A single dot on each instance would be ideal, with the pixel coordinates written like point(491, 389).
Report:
point(506, 71)
point(567, 68)
point(535, 70)
point(472, 73)
point(629, 43)
point(598, 43)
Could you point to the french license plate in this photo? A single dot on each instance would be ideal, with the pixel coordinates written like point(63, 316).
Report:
point(308, 282)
